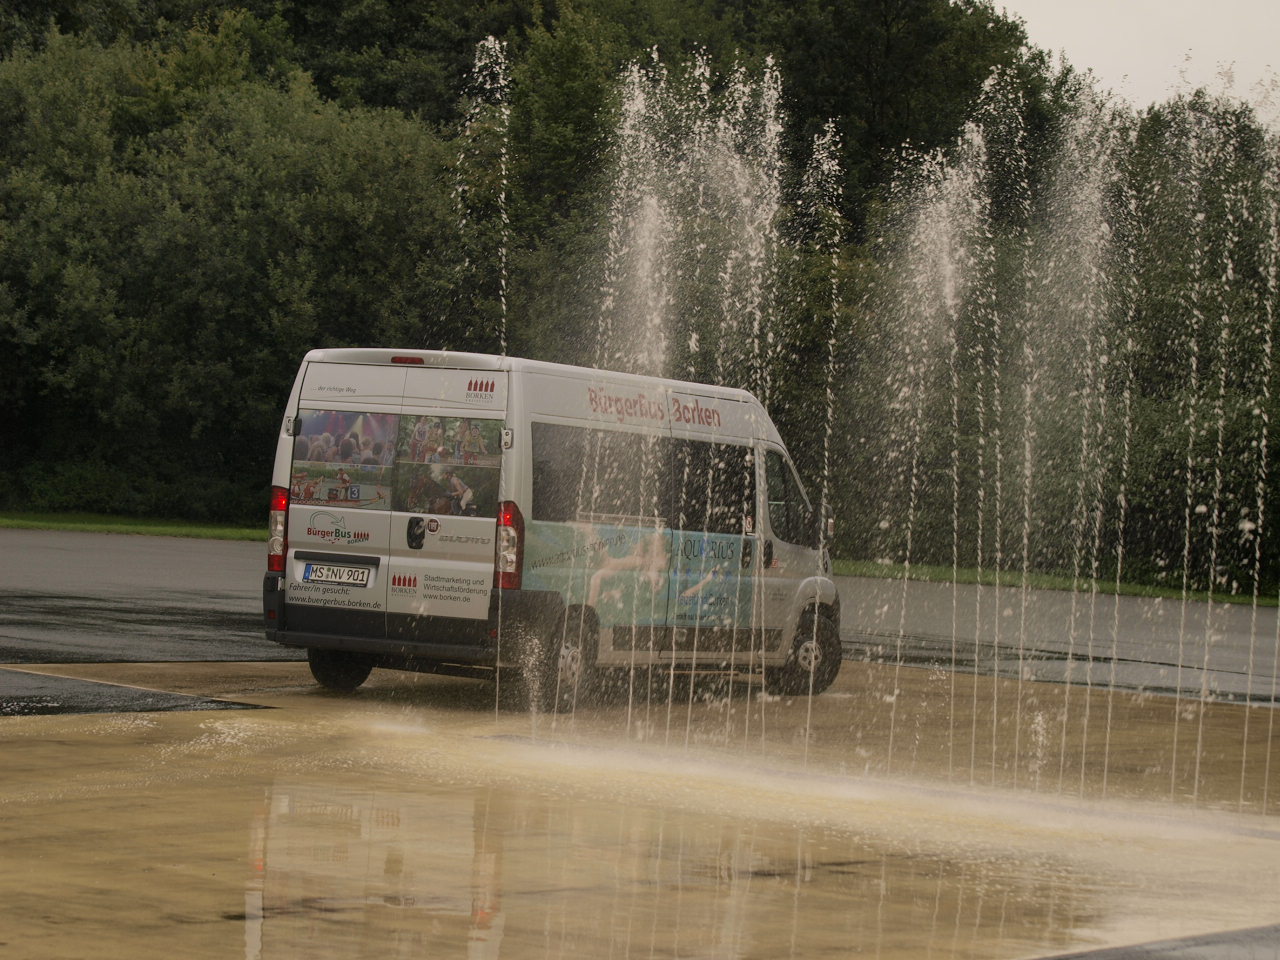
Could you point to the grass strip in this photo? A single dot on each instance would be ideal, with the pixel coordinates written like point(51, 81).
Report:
point(1012, 580)
point(103, 523)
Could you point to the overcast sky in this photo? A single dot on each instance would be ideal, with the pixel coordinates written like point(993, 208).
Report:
point(1149, 50)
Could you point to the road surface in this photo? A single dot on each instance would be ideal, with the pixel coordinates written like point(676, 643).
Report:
point(81, 597)
point(96, 598)
point(1159, 646)
point(191, 800)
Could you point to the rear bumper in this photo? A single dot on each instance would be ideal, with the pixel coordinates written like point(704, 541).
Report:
point(415, 642)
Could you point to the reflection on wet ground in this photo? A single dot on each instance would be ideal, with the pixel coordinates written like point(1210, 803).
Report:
point(518, 874)
point(414, 819)
point(24, 693)
point(39, 627)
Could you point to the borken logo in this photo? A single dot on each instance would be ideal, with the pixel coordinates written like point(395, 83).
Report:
point(400, 580)
point(480, 389)
point(331, 528)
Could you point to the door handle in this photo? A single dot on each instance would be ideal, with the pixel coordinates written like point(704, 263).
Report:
point(416, 533)
point(767, 554)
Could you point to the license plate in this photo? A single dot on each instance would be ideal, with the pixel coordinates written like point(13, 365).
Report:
point(333, 573)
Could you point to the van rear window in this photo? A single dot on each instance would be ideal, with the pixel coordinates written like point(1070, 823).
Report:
point(447, 465)
point(344, 458)
point(385, 461)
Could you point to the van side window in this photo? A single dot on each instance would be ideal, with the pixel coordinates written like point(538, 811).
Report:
point(713, 487)
point(558, 454)
point(582, 473)
point(789, 513)
point(599, 475)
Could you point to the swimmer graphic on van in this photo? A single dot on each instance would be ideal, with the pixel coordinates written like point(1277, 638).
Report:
point(644, 566)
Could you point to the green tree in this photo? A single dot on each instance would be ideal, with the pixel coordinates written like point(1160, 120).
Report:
point(890, 72)
point(178, 232)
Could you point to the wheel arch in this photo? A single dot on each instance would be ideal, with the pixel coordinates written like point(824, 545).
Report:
point(821, 596)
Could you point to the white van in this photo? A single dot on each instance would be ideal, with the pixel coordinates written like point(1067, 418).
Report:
point(482, 516)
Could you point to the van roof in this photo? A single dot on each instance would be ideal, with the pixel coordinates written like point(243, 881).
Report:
point(459, 360)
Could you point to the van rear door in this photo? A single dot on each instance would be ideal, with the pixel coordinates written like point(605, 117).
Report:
point(448, 456)
point(340, 499)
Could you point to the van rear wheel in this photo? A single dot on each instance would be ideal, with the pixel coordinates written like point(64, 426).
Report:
point(339, 670)
point(563, 666)
point(814, 660)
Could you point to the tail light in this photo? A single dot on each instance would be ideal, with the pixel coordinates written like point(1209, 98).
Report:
point(509, 560)
point(277, 537)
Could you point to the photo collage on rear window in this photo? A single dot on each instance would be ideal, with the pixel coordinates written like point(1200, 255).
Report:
point(343, 458)
point(382, 461)
point(448, 465)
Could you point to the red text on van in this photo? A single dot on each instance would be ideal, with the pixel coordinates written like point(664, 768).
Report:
point(694, 413)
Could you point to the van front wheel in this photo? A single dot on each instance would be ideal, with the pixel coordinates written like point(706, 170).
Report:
point(814, 660)
point(339, 670)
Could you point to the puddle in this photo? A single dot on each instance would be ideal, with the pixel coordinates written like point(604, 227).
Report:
point(34, 694)
point(417, 821)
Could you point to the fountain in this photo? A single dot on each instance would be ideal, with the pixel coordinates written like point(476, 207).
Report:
point(1057, 306)
point(481, 198)
point(1050, 374)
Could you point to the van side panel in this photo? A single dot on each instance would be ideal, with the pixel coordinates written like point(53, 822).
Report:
point(597, 530)
point(713, 557)
point(642, 509)
point(618, 570)
point(720, 419)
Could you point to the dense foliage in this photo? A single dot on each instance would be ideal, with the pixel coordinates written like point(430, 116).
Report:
point(195, 192)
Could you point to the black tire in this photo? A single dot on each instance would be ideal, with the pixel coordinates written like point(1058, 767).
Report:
point(559, 668)
point(339, 670)
point(814, 660)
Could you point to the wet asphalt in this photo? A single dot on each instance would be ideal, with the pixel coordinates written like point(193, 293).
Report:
point(68, 598)
point(94, 598)
point(100, 598)
point(1228, 652)
point(1257, 943)
point(34, 694)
